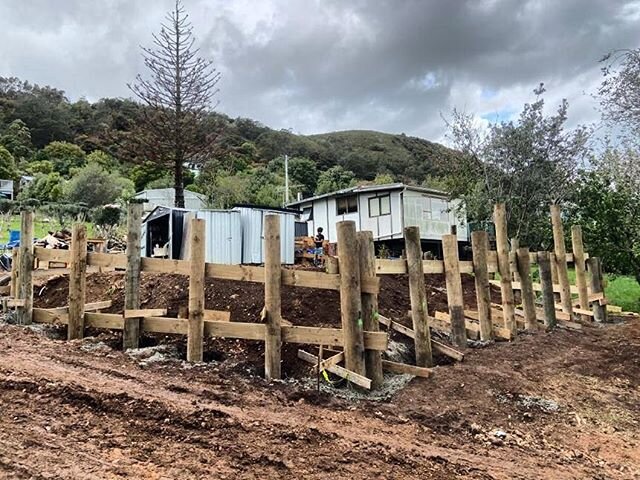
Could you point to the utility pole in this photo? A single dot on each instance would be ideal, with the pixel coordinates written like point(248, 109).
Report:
point(286, 179)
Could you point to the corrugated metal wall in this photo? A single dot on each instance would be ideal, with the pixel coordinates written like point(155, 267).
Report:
point(223, 236)
point(253, 234)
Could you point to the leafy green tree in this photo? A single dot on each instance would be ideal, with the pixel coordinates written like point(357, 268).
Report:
point(45, 187)
point(65, 156)
point(17, 139)
point(228, 190)
point(39, 166)
point(528, 163)
point(335, 178)
point(383, 179)
point(103, 159)
point(8, 170)
point(94, 186)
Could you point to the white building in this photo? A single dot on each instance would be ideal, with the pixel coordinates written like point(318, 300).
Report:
point(166, 197)
point(385, 210)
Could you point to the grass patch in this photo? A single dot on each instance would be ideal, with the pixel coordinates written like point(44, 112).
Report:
point(40, 227)
point(623, 291)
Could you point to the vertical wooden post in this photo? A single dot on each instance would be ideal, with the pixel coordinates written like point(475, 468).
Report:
point(77, 281)
point(131, 332)
point(418, 295)
point(480, 247)
point(561, 259)
point(502, 246)
point(15, 268)
point(546, 280)
point(331, 264)
point(454, 290)
point(196, 290)
point(369, 301)
point(25, 274)
point(513, 261)
point(554, 276)
point(581, 276)
point(526, 289)
point(272, 297)
point(350, 304)
point(595, 268)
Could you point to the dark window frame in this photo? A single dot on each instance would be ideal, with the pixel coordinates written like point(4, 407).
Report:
point(348, 206)
point(378, 198)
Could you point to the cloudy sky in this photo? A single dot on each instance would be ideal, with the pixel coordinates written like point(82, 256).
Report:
point(323, 65)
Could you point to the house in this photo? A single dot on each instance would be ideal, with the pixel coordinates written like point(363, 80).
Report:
point(6, 189)
point(385, 210)
point(166, 197)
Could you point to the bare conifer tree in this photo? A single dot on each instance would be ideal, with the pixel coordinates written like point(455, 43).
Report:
point(177, 94)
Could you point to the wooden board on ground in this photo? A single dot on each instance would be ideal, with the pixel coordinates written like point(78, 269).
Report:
point(403, 368)
point(338, 370)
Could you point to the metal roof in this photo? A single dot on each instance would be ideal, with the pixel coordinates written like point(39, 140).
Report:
point(369, 188)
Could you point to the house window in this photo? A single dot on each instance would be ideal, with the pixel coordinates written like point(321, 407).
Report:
point(307, 213)
point(435, 209)
point(379, 206)
point(347, 204)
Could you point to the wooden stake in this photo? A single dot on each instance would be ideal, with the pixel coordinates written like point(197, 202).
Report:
point(581, 276)
point(526, 289)
point(369, 301)
point(546, 281)
point(454, 290)
point(331, 264)
point(25, 275)
point(480, 247)
point(513, 261)
point(502, 240)
point(15, 268)
point(350, 304)
point(561, 259)
point(196, 290)
point(272, 298)
point(131, 332)
point(595, 268)
point(418, 295)
point(77, 281)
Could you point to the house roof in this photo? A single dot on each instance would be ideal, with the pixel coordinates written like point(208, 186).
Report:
point(169, 192)
point(368, 188)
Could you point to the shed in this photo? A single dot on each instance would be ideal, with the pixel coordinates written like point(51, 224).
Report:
point(252, 218)
point(166, 197)
point(167, 227)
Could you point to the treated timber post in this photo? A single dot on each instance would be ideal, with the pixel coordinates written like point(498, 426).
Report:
point(454, 290)
point(581, 276)
point(131, 332)
point(502, 246)
point(480, 247)
point(526, 289)
point(350, 305)
point(369, 301)
point(77, 281)
point(272, 297)
point(15, 267)
point(25, 274)
point(331, 264)
point(418, 295)
point(554, 276)
point(546, 281)
point(561, 259)
point(595, 268)
point(196, 290)
point(513, 261)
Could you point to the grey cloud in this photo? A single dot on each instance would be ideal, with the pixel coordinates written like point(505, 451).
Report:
point(325, 65)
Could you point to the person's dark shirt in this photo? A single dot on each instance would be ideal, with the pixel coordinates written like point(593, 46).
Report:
point(319, 239)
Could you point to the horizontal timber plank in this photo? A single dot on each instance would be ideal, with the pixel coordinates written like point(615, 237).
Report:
point(331, 337)
point(164, 265)
point(402, 368)
point(112, 321)
point(217, 315)
point(51, 254)
point(54, 316)
point(107, 260)
point(97, 305)
point(148, 312)
point(395, 267)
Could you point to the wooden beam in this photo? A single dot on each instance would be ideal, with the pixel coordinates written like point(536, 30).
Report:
point(350, 303)
point(418, 297)
point(77, 281)
point(109, 260)
point(403, 368)
point(25, 275)
point(133, 264)
point(561, 259)
point(580, 267)
point(112, 321)
point(15, 302)
point(196, 290)
point(546, 279)
point(52, 316)
point(52, 255)
point(595, 268)
point(145, 312)
point(369, 301)
point(97, 305)
point(480, 249)
point(526, 293)
point(502, 246)
point(217, 315)
point(272, 297)
point(455, 299)
point(349, 375)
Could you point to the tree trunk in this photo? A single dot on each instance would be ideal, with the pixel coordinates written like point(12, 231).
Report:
point(179, 182)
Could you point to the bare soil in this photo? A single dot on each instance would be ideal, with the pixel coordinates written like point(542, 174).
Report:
point(550, 405)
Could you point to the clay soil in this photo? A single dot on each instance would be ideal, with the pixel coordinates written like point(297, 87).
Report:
point(561, 404)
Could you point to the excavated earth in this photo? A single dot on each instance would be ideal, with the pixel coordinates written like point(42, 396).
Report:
point(552, 405)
